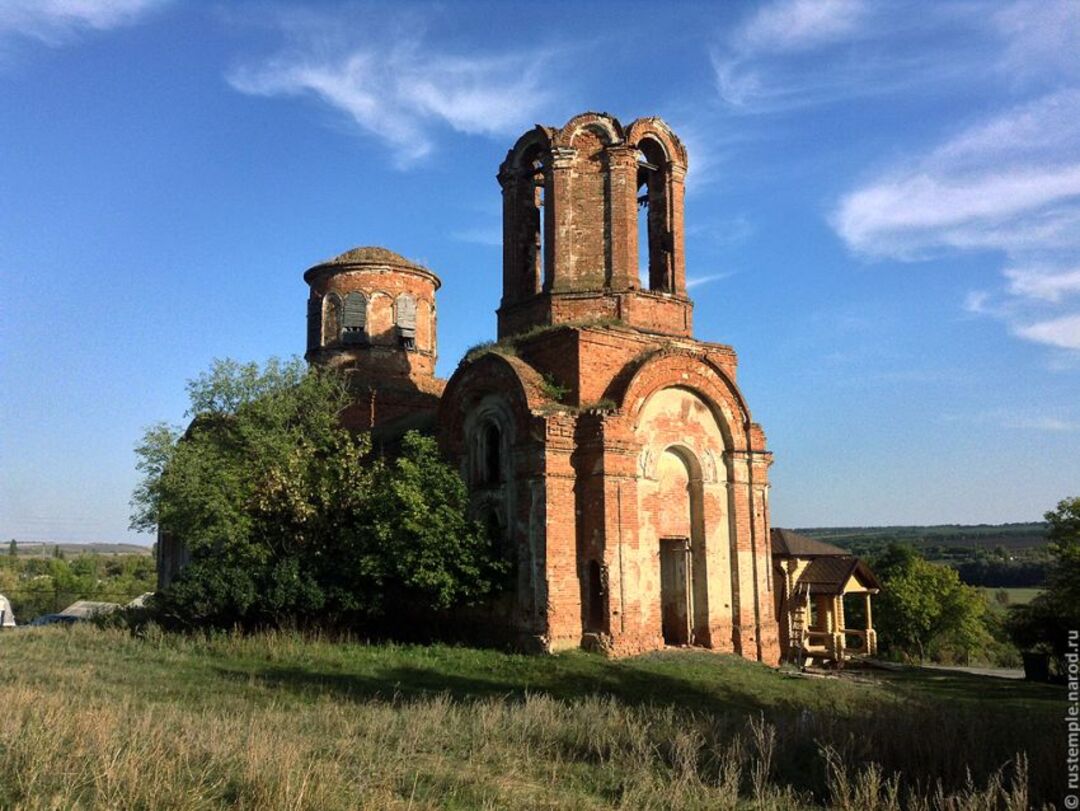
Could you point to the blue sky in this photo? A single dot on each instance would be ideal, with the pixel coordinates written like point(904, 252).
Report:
point(883, 218)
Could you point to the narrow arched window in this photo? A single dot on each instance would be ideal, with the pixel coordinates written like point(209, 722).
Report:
point(539, 264)
point(596, 596)
point(354, 322)
point(655, 237)
point(314, 322)
point(405, 320)
point(492, 455)
point(331, 319)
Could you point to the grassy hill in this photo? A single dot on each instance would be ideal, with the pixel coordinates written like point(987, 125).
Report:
point(94, 718)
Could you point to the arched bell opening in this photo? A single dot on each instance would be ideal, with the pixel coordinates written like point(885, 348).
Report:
point(656, 245)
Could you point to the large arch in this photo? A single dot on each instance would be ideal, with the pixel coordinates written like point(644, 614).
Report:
point(668, 368)
point(519, 384)
point(686, 516)
point(658, 130)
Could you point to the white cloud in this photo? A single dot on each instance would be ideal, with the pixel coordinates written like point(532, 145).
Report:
point(796, 53)
point(795, 25)
point(1040, 35)
point(1009, 184)
point(1063, 332)
point(997, 208)
point(1042, 284)
point(698, 281)
point(401, 92)
point(57, 21)
point(749, 66)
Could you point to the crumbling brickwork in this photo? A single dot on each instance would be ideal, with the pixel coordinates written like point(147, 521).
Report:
point(372, 313)
point(608, 451)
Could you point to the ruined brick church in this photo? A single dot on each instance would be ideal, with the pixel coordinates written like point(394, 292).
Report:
point(607, 448)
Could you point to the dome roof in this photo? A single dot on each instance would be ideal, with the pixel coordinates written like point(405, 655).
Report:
point(368, 255)
point(371, 255)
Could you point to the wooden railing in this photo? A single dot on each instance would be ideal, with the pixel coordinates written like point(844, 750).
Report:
point(855, 640)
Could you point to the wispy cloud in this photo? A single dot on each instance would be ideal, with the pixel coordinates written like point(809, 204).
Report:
point(698, 281)
point(790, 54)
point(490, 236)
point(403, 89)
point(1040, 36)
point(1063, 332)
point(55, 22)
point(1035, 423)
point(1043, 284)
point(1009, 184)
point(797, 25)
point(1016, 418)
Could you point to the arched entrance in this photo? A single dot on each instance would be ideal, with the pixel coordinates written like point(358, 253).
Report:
point(683, 587)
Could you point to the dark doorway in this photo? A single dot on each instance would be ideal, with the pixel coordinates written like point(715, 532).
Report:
point(675, 605)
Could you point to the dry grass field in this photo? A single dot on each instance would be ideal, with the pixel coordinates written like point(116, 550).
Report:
point(94, 718)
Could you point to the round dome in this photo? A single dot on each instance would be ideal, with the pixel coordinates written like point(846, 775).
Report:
point(369, 255)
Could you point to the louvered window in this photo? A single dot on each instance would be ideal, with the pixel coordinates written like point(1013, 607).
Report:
point(405, 319)
point(314, 323)
point(355, 319)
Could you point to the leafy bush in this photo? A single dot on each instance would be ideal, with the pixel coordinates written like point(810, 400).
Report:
point(290, 519)
point(925, 611)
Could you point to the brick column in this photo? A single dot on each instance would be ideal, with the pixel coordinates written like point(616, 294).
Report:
point(622, 202)
point(558, 221)
point(676, 195)
point(742, 563)
point(719, 529)
point(767, 630)
point(561, 565)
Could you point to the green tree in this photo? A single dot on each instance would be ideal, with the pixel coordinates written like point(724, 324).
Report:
point(1044, 623)
point(287, 515)
point(13, 548)
point(925, 606)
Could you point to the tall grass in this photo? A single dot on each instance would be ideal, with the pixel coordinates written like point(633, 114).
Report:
point(95, 719)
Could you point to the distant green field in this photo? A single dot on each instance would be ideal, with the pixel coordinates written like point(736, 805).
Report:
point(1017, 596)
point(985, 536)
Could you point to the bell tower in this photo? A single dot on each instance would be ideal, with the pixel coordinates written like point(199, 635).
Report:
point(571, 241)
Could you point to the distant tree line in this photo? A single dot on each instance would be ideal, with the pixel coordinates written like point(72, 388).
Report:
point(1004, 574)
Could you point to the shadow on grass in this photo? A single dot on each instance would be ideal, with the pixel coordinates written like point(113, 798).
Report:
point(639, 682)
point(969, 688)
